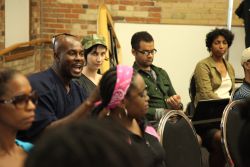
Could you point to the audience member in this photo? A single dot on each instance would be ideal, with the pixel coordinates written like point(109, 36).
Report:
point(214, 79)
point(161, 93)
point(17, 112)
point(214, 76)
point(59, 96)
point(95, 143)
point(244, 90)
point(95, 50)
point(124, 93)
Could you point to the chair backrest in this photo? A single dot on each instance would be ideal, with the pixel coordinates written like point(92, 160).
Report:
point(178, 137)
point(231, 125)
point(192, 92)
point(233, 93)
point(192, 88)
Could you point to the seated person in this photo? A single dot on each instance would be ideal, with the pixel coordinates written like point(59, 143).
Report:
point(244, 90)
point(59, 96)
point(123, 93)
point(94, 53)
point(214, 79)
point(214, 76)
point(162, 95)
point(17, 112)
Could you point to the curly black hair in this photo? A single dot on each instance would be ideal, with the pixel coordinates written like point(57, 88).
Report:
point(212, 35)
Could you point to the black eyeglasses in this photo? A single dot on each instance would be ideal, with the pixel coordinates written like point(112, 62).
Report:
point(147, 52)
point(21, 101)
point(55, 37)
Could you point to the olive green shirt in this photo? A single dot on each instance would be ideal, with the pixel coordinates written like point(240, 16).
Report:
point(208, 78)
point(158, 90)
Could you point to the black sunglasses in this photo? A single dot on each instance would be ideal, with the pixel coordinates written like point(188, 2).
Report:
point(55, 37)
point(21, 101)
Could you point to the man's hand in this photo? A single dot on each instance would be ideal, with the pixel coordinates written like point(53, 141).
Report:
point(175, 102)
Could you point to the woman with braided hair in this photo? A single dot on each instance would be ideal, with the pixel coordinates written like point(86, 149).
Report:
point(123, 93)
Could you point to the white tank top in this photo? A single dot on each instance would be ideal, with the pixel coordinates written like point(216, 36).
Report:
point(225, 87)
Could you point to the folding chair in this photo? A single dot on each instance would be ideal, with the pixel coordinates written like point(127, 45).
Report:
point(179, 140)
point(231, 125)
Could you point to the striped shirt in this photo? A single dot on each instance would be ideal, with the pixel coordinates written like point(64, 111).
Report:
point(243, 92)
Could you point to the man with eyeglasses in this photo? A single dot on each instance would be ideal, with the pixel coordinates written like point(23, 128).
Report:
point(58, 95)
point(159, 87)
point(244, 90)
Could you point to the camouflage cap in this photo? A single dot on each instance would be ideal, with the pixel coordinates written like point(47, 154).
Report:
point(94, 39)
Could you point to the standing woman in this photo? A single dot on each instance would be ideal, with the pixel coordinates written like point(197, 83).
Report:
point(123, 93)
point(17, 105)
point(95, 50)
point(214, 79)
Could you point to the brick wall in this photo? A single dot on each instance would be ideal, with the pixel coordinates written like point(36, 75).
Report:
point(26, 65)
point(35, 18)
point(79, 17)
point(197, 12)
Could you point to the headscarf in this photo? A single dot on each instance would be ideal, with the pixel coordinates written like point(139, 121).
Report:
point(124, 77)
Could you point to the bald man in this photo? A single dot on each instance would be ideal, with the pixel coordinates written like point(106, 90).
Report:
point(59, 96)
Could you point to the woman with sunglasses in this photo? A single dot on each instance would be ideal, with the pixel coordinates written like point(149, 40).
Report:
point(17, 105)
point(123, 93)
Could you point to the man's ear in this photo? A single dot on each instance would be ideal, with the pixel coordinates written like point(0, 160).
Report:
point(56, 56)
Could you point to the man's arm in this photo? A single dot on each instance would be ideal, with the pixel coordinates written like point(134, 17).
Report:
point(173, 100)
point(80, 112)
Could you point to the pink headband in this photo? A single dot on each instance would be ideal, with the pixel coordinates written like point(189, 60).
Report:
point(124, 76)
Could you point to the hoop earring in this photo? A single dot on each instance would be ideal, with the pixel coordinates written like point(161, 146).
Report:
point(126, 111)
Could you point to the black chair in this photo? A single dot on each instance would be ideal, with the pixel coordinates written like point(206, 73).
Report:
point(231, 125)
point(192, 92)
point(179, 140)
point(233, 93)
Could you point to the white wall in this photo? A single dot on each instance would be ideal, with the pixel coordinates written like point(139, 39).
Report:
point(16, 21)
point(236, 50)
point(179, 48)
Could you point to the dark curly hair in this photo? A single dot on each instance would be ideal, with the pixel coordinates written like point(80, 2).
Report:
point(140, 36)
point(210, 37)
